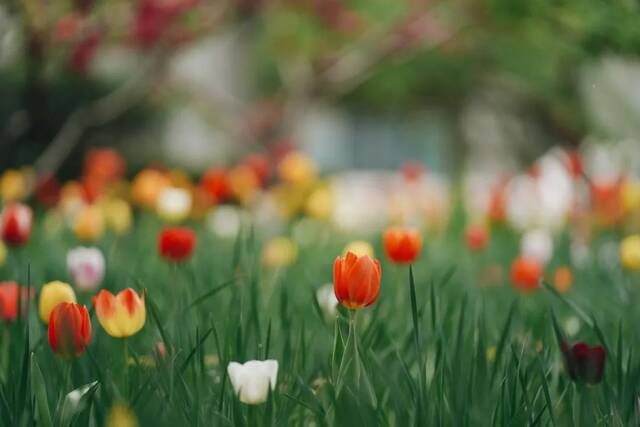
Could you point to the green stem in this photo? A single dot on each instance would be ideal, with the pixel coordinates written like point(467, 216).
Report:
point(125, 346)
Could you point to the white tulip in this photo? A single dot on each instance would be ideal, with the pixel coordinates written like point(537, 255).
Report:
point(225, 221)
point(86, 267)
point(174, 204)
point(327, 300)
point(251, 380)
point(537, 244)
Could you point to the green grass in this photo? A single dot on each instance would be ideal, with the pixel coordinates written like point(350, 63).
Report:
point(437, 348)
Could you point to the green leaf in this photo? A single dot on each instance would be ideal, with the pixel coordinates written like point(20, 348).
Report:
point(74, 403)
point(39, 390)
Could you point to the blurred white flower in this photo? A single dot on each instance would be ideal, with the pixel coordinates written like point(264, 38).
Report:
point(86, 267)
point(572, 326)
point(251, 381)
point(327, 300)
point(225, 221)
point(174, 204)
point(537, 244)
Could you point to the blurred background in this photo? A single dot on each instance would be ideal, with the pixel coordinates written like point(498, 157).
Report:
point(363, 84)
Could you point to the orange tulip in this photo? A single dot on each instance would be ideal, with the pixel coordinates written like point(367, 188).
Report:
point(120, 315)
point(402, 246)
point(356, 280)
point(69, 329)
point(526, 274)
point(477, 237)
point(563, 279)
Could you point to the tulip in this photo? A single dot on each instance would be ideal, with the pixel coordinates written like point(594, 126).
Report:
point(320, 203)
point(537, 244)
point(48, 190)
point(121, 415)
point(174, 204)
point(3, 253)
point(118, 216)
point(402, 246)
point(121, 315)
point(244, 183)
point(16, 222)
point(69, 329)
point(297, 168)
point(630, 253)
point(52, 294)
point(526, 274)
point(147, 186)
point(89, 224)
point(252, 380)
point(12, 296)
point(359, 247)
point(279, 252)
point(225, 221)
point(14, 185)
point(584, 363)
point(356, 280)
point(176, 243)
point(476, 237)
point(215, 183)
point(563, 279)
point(86, 267)
point(327, 300)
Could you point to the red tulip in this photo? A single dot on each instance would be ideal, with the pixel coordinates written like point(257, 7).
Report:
point(216, 183)
point(476, 236)
point(69, 329)
point(356, 280)
point(176, 243)
point(584, 363)
point(526, 274)
point(11, 297)
point(48, 190)
point(402, 246)
point(16, 222)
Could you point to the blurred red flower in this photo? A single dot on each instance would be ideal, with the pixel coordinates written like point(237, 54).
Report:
point(216, 183)
point(13, 296)
point(48, 190)
point(476, 236)
point(402, 245)
point(176, 243)
point(526, 274)
point(84, 51)
point(16, 223)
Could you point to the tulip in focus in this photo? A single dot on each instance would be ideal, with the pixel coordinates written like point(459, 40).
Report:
point(526, 274)
point(121, 315)
point(69, 329)
point(279, 252)
point(252, 380)
point(630, 253)
point(86, 267)
point(52, 294)
point(356, 280)
point(16, 223)
point(584, 363)
point(402, 245)
point(13, 296)
point(176, 243)
point(537, 244)
point(476, 237)
point(89, 224)
point(174, 204)
point(360, 248)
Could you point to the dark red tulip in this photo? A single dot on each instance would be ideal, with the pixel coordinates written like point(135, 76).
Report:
point(176, 243)
point(584, 363)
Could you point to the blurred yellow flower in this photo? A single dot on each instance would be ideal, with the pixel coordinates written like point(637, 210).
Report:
point(279, 252)
point(630, 253)
point(13, 185)
point(121, 415)
point(631, 196)
point(320, 203)
point(244, 183)
point(52, 294)
point(3, 253)
point(491, 353)
point(118, 216)
point(359, 248)
point(297, 168)
point(88, 225)
point(147, 186)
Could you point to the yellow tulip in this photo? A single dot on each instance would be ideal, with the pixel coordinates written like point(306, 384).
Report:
point(118, 216)
point(120, 315)
point(279, 252)
point(13, 185)
point(359, 248)
point(630, 253)
point(297, 168)
point(121, 415)
point(631, 196)
point(52, 294)
point(147, 186)
point(320, 203)
point(89, 224)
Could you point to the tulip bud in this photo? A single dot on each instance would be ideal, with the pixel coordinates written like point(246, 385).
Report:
point(630, 253)
point(16, 222)
point(121, 315)
point(52, 294)
point(174, 204)
point(279, 252)
point(327, 300)
point(86, 267)
point(537, 244)
point(526, 274)
point(252, 380)
point(360, 248)
point(89, 224)
point(402, 246)
point(69, 329)
point(13, 296)
point(176, 243)
point(356, 280)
